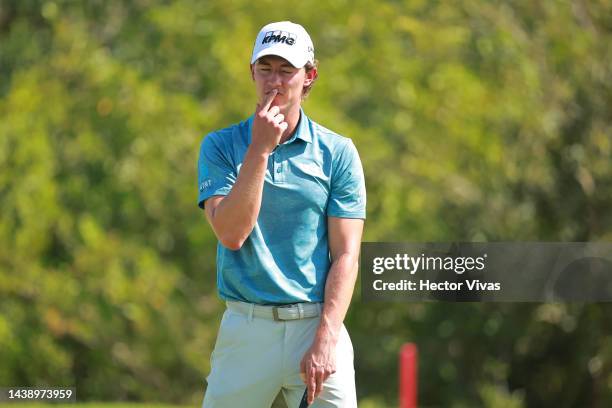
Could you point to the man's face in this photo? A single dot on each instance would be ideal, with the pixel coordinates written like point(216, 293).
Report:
point(272, 72)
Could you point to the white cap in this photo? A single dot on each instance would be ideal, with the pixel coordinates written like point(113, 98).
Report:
point(284, 39)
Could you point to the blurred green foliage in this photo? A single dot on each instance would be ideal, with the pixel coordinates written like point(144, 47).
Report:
point(92, 405)
point(475, 121)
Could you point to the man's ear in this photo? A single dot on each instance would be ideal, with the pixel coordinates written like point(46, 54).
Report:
point(310, 77)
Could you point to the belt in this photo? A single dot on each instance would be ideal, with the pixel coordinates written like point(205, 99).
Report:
point(294, 311)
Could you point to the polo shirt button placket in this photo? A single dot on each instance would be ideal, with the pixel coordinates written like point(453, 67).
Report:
point(278, 167)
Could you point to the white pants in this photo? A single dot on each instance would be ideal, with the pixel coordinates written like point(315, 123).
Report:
point(254, 358)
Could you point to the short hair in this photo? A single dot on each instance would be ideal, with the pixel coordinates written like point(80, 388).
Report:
point(309, 67)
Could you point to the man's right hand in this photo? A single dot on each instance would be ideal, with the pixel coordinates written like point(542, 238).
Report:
point(268, 125)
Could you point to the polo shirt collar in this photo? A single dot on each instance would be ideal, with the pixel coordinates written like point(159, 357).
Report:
point(303, 129)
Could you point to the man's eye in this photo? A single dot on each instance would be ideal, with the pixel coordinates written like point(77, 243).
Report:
point(264, 69)
point(287, 72)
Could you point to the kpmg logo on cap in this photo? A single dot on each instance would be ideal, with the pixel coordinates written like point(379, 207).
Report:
point(279, 37)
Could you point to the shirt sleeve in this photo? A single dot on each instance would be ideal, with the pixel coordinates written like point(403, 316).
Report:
point(216, 174)
point(348, 194)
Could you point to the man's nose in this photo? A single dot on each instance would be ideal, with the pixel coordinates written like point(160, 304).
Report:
point(275, 78)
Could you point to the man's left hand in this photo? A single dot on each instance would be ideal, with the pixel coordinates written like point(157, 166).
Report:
point(318, 363)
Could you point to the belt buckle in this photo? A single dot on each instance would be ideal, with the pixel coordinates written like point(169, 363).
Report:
point(275, 312)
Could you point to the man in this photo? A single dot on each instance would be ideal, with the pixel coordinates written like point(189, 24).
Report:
point(286, 200)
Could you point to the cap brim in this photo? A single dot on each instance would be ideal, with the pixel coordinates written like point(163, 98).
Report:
point(280, 51)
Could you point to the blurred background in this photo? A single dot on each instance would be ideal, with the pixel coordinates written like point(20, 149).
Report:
point(475, 121)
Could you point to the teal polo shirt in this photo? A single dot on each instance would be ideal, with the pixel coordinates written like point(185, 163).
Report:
point(315, 174)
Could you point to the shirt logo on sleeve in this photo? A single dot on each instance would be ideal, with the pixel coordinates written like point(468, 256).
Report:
point(206, 184)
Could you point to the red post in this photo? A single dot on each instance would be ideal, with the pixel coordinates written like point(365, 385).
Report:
point(408, 370)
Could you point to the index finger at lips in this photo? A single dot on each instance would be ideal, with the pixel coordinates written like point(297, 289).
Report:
point(267, 100)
